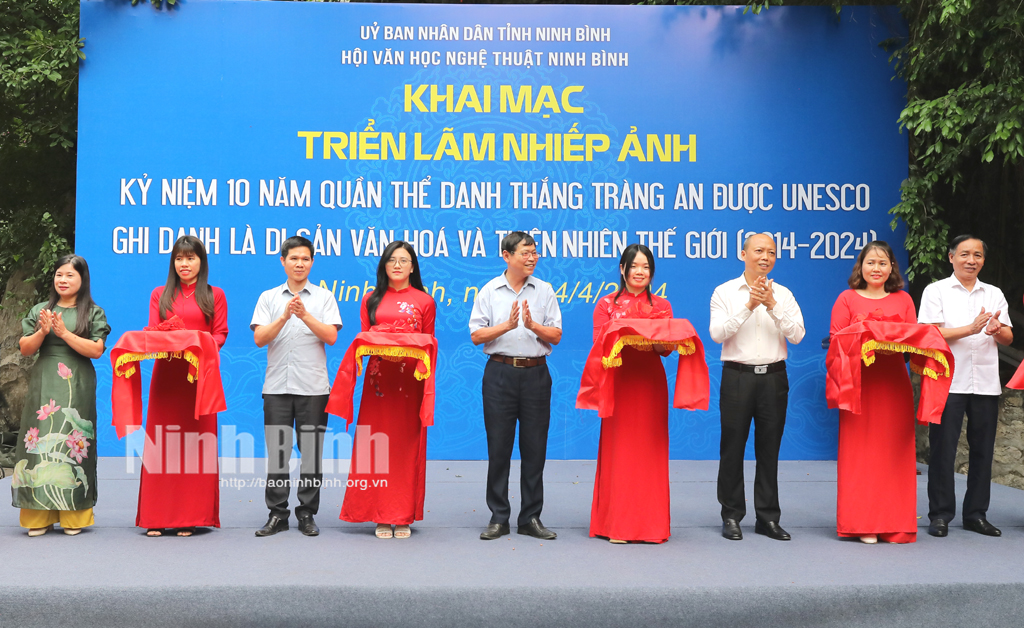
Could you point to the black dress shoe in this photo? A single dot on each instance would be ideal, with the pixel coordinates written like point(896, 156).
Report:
point(494, 531)
point(537, 530)
point(771, 530)
point(982, 526)
point(938, 527)
point(731, 530)
point(307, 526)
point(274, 525)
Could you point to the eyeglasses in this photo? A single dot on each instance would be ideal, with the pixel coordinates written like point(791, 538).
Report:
point(398, 262)
point(528, 254)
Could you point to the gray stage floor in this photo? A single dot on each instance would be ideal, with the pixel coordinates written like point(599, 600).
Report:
point(444, 575)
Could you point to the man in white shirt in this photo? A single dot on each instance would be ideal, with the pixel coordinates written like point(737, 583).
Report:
point(753, 317)
point(972, 317)
point(517, 319)
point(295, 321)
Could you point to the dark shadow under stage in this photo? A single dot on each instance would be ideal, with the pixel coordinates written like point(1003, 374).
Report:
point(113, 575)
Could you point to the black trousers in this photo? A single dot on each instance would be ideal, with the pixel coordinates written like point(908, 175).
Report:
point(304, 413)
point(512, 394)
point(982, 418)
point(763, 398)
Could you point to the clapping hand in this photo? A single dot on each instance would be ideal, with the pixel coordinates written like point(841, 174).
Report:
point(981, 323)
point(289, 308)
point(761, 293)
point(58, 325)
point(513, 316)
point(45, 321)
point(527, 317)
point(769, 297)
point(993, 326)
point(297, 308)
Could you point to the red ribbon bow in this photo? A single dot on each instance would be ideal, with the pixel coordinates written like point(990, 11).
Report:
point(173, 323)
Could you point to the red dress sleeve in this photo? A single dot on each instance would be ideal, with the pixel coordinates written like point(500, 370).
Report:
point(364, 316)
point(154, 306)
point(429, 314)
point(219, 324)
point(602, 314)
point(841, 313)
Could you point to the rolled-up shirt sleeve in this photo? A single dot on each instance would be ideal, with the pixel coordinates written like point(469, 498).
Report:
point(481, 316)
point(552, 313)
point(723, 324)
point(262, 315)
point(331, 313)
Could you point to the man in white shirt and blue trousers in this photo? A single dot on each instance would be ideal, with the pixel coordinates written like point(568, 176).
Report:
point(972, 317)
point(753, 318)
point(517, 319)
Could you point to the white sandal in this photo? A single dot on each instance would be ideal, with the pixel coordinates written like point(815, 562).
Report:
point(39, 531)
point(383, 531)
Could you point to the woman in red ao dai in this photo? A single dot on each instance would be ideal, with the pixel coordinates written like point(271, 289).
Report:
point(391, 494)
point(631, 488)
point(877, 483)
point(179, 487)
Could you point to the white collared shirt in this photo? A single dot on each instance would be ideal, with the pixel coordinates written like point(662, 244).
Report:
point(754, 336)
point(947, 303)
point(296, 358)
point(493, 305)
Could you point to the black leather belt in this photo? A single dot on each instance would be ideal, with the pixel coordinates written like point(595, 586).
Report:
point(520, 363)
point(762, 369)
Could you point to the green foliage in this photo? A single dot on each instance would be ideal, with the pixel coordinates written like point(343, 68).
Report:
point(964, 67)
point(43, 238)
point(757, 5)
point(39, 54)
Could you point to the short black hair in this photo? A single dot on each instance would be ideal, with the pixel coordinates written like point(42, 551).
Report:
point(295, 242)
point(960, 239)
point(514, 239)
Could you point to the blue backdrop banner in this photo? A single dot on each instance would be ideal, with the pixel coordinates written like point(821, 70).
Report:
point(683, 128)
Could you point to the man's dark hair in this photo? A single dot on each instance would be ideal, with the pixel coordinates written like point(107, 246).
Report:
point(512, 240)
point(295, 242)
point(960, 239)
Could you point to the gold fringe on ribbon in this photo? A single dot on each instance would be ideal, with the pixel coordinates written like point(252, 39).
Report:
point(393, 354)
point(131, 358)
point(871, 346)
point(924, 370)
point(194, 361)
point(613, 359)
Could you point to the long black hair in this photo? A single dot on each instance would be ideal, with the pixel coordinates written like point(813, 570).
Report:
point(204, 294)
point(382, 277)
point(626, 261)
point(83, 300)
